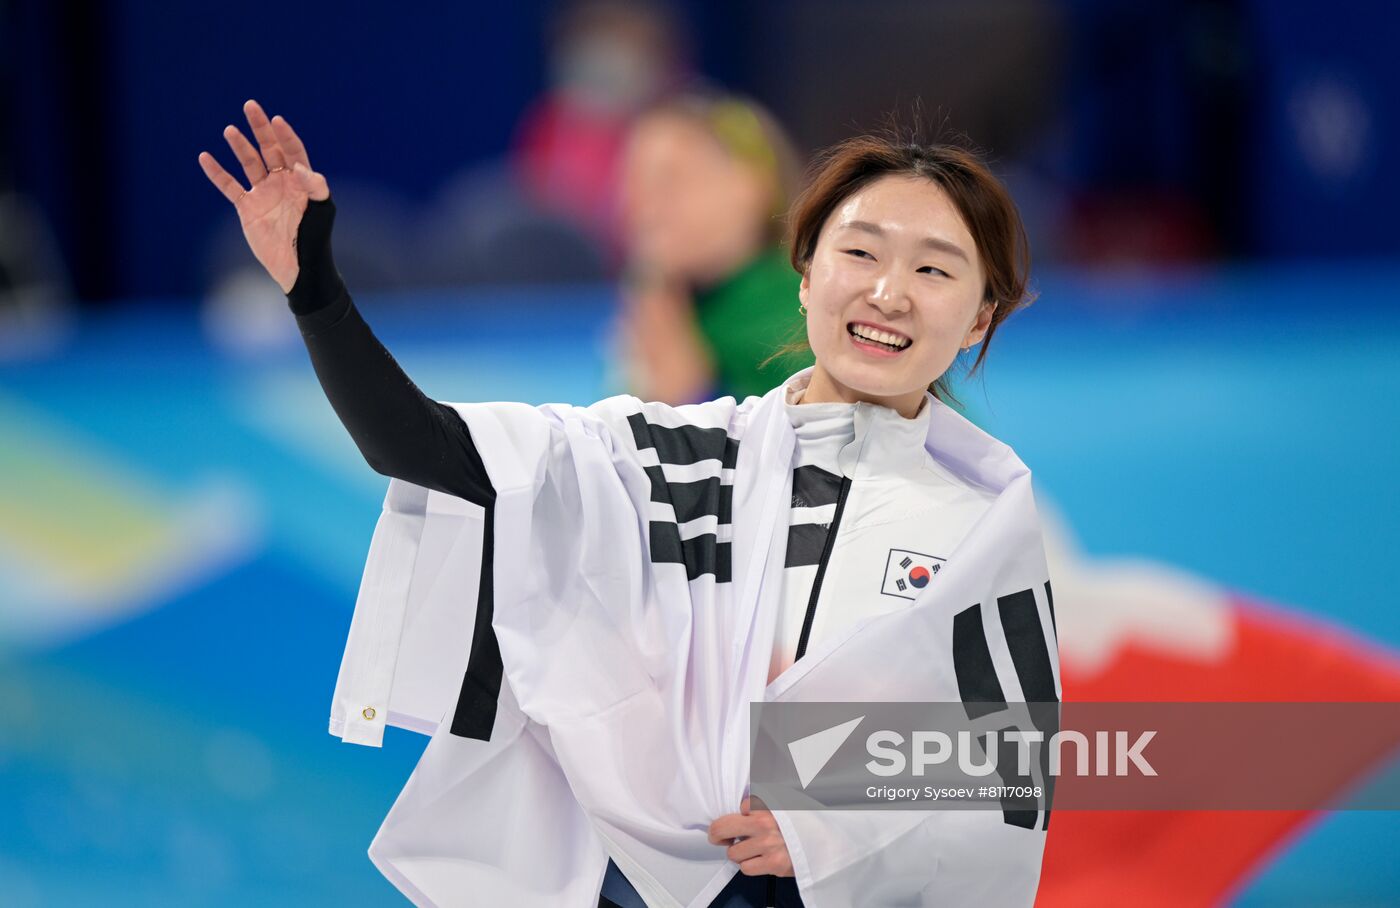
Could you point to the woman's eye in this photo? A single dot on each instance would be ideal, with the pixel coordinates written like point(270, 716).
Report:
point(857, 252)
point(929, 269)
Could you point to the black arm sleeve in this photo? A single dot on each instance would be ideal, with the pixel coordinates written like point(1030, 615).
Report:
point(400, 431)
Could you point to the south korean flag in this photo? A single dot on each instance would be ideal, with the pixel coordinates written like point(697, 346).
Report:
point(907, 573)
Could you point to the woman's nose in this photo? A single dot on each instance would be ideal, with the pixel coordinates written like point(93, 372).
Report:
point(890, 292)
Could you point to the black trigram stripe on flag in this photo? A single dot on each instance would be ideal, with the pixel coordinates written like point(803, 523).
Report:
point(1015, 811)
point(982, 693)
point(805, 543)
point(813, 487)
point(475, 714)
point(701, 554)
point(692, 500)
point(1025, 639)
point(684, 444)
point(708, 497)
point(905, 562)
point(978, 685)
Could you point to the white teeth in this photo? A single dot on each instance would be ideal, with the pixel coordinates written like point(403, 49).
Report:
point(884, 337)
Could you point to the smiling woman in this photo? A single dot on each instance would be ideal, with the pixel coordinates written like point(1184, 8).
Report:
point(632, 576)
point(909, 254)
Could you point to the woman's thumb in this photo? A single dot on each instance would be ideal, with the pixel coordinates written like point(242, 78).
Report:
point(313, 183)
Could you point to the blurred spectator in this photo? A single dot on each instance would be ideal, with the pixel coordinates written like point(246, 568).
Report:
point(608, 60)
point(708, 291)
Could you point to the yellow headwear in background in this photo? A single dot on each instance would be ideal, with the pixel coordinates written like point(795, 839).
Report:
point(739, 129)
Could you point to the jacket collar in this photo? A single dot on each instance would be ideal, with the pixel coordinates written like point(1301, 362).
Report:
point(875, 440)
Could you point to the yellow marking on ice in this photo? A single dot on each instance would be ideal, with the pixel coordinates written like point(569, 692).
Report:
point(68, 509)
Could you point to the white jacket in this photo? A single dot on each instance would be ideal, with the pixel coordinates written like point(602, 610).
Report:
point(631, 641)
point(862, 472)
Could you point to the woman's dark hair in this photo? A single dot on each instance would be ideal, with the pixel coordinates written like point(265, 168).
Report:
point(980, 198)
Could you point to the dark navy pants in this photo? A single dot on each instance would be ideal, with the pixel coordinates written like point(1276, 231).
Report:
point(742, 892)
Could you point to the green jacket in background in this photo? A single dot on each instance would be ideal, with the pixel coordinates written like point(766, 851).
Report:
point(745, 318)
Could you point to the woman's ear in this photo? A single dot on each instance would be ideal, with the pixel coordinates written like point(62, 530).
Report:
point(806, 285)
point(979, 327)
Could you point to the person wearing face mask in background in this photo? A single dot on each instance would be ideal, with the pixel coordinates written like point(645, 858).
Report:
point(608, 60)
point(708, 292)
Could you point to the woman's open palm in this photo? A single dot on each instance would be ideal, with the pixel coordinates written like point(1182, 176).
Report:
point(280, 182)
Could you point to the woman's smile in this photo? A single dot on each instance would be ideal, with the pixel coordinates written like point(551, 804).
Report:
point(877, 342)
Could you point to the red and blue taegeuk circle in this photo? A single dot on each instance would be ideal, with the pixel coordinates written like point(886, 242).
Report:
point(919, 577)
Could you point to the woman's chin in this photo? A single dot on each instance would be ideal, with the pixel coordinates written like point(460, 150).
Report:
point(872, 381)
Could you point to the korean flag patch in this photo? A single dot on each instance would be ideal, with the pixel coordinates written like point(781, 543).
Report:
point(908, 573)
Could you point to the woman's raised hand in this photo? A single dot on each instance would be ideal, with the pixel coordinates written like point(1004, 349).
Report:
point(280, 182)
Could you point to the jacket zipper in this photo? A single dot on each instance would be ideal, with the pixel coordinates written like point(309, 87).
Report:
point(772, 894)
point(821, 567)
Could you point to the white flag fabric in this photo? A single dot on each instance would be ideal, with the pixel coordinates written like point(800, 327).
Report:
point(587, 685)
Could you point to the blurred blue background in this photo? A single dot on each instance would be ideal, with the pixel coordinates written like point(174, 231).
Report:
point(1209, 378)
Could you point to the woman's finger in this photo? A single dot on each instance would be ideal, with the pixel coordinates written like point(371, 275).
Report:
point(264, 133)
point(291, 143)
point(231, 188)
point(247, 155)
point(722, 830)
point(757, 866)
point(732, 826)
point(744, 849)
